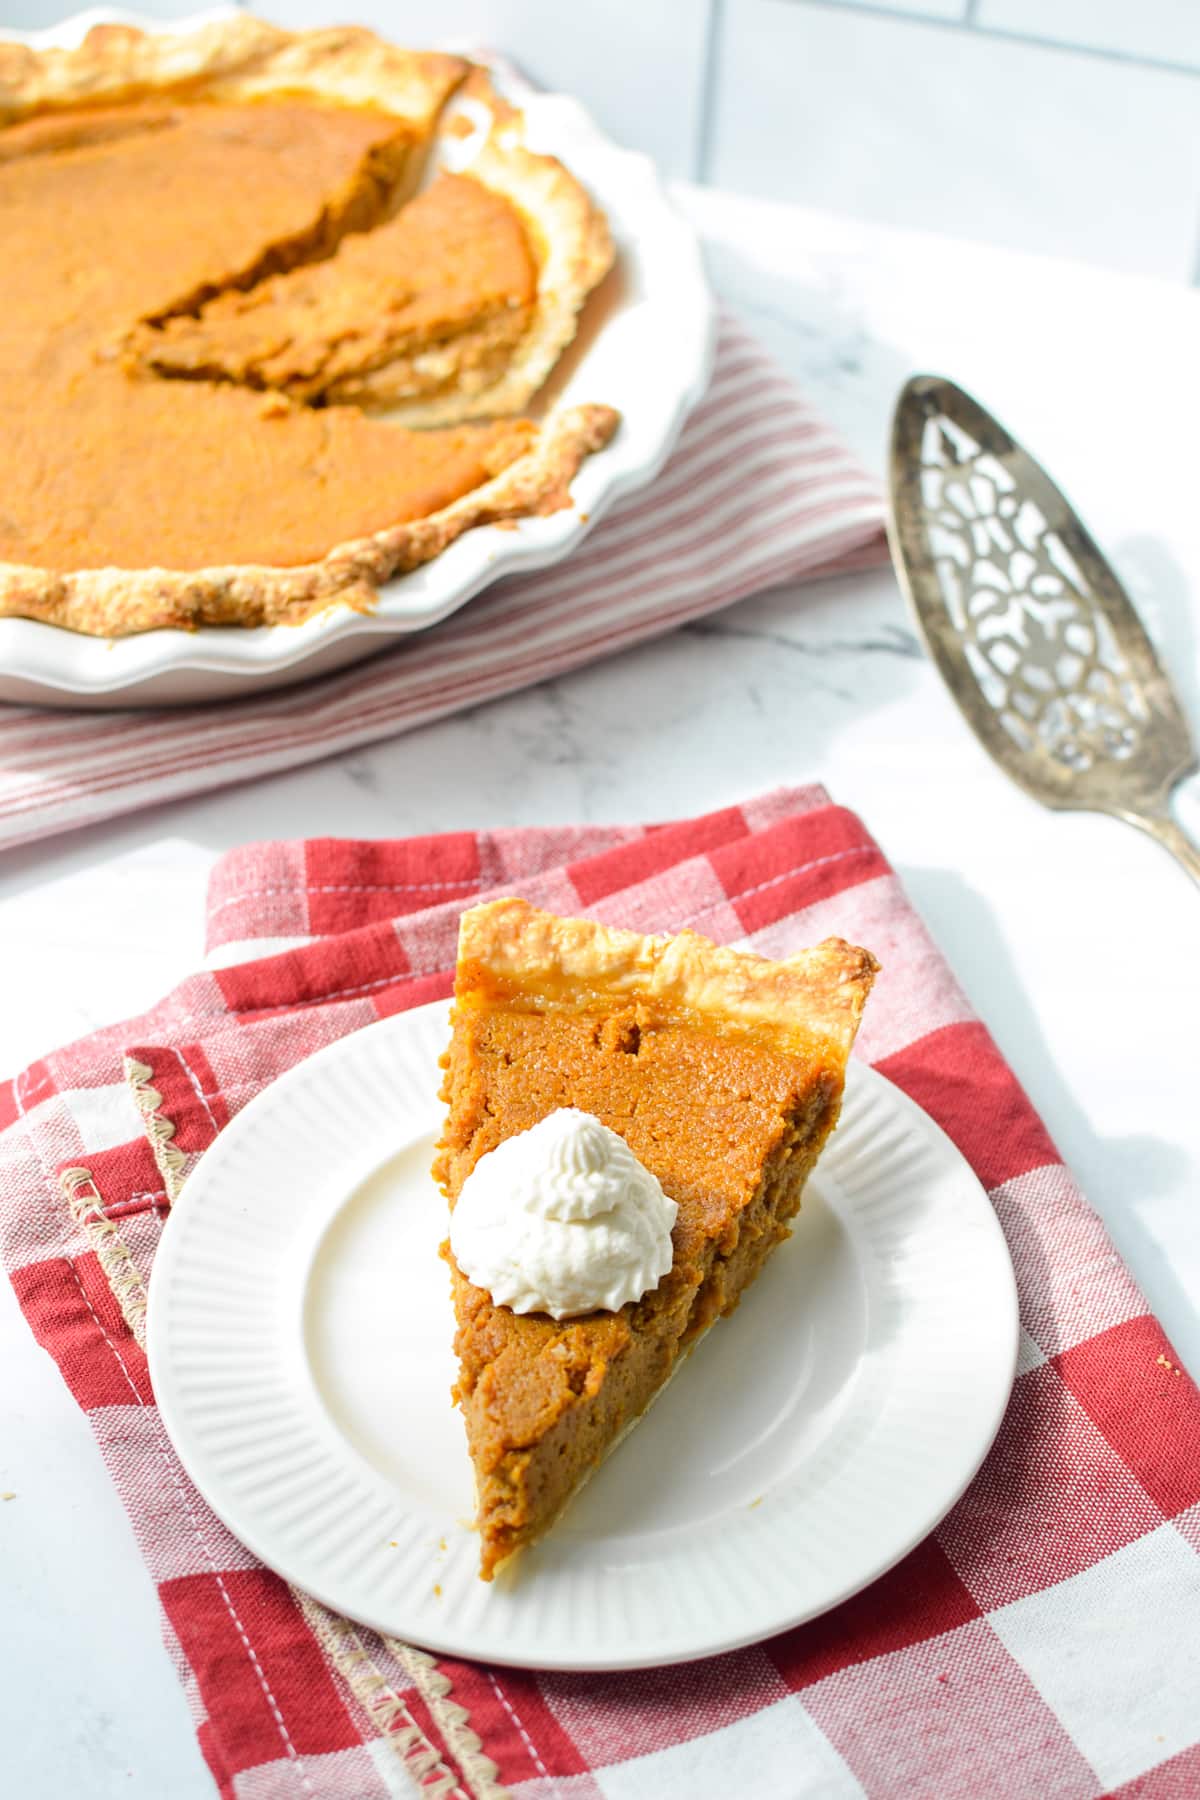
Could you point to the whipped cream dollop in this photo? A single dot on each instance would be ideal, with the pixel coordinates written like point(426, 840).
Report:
point(563, 1219)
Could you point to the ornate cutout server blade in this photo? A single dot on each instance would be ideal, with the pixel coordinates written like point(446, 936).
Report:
point(1033, 633)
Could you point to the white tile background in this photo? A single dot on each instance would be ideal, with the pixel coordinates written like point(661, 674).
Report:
point(1067, 126)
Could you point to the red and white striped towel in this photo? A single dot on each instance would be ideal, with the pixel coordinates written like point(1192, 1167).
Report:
point(1042, 1644)
point(758, 492)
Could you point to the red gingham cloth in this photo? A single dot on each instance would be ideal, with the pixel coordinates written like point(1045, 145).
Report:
point(758, 492)
point(1044, 1641)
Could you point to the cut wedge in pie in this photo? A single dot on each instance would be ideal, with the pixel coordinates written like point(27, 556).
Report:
point(458, 305)
point(723, 1073)
point(250, 366)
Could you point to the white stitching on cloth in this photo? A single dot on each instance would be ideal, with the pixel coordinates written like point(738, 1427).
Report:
point(186, 1066)
point(421, 887)
point(138, 1204)
point(344, 887)
point(775, 880)
point(317, 999)
point(119, 1208)
point(529, 1743)
point(195, 1524)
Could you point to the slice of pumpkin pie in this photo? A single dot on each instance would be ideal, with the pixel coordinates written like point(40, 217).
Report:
point(722, 1074)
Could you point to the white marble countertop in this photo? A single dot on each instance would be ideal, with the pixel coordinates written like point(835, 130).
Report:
point(1073, 935)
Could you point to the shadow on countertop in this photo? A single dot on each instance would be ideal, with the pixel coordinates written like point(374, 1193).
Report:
point(1136, 1168)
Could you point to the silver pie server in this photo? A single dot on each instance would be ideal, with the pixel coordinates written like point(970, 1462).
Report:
point(1033, 633)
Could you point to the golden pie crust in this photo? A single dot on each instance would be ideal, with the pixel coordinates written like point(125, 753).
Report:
point(816, 997)
point(151, 428)
point(722, 1071)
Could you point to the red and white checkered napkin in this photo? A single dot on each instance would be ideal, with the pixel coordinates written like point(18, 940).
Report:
point(758, 492)
point(1044, 1641)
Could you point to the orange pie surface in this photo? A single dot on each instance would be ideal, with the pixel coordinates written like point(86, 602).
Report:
point(127, 214)
point(215, 284)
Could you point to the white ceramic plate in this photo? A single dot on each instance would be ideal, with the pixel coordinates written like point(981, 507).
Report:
point(645, 347)
point(299, 1339)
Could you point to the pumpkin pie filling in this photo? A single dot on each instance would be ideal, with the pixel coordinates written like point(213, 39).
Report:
point(142, 211)
point(722, 1072)
point(263, 243)
point(369, 324)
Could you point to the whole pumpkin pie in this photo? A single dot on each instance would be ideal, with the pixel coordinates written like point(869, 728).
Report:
point(249, 364)
point(722, 1072)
